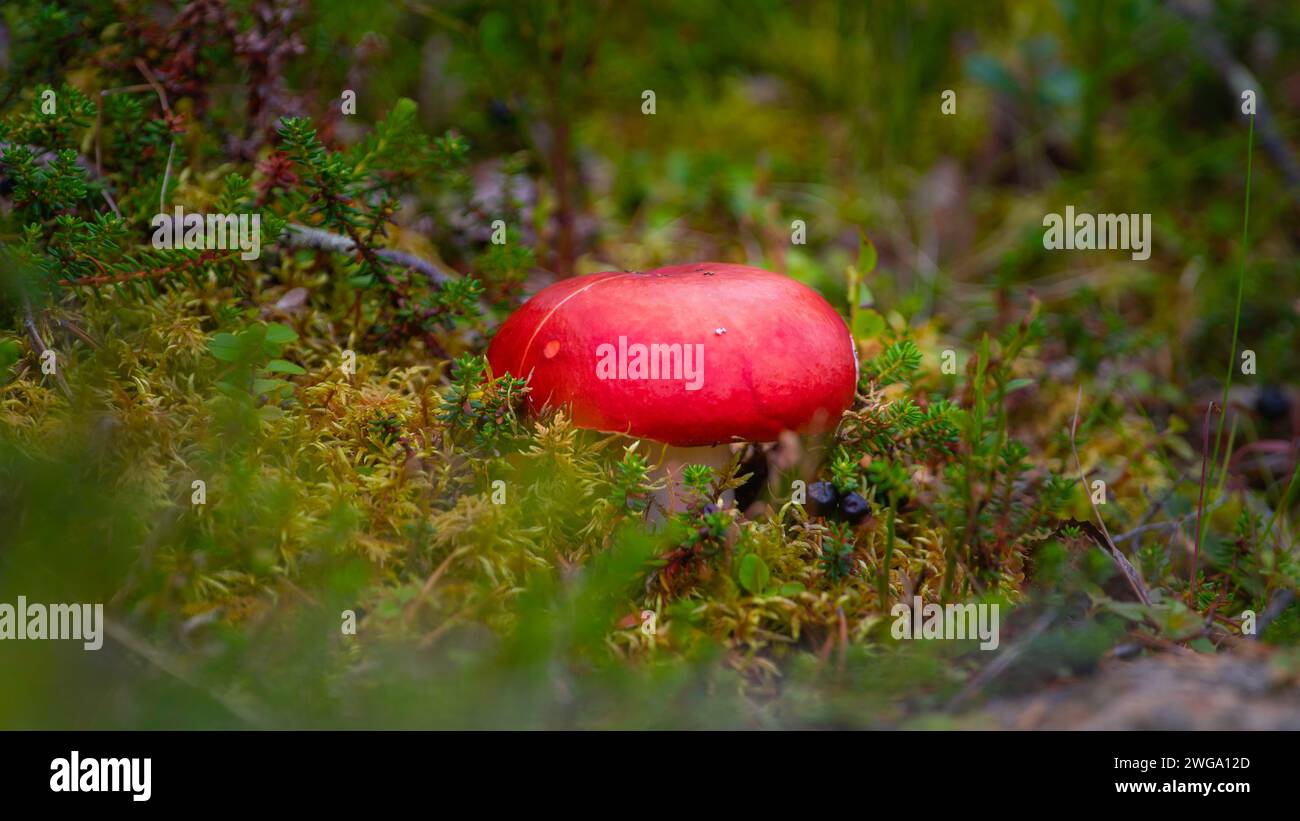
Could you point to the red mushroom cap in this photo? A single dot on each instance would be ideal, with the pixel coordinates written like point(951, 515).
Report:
point(687, 355)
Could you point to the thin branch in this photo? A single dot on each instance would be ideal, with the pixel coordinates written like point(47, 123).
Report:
point(295, 235)
point(80, 333)
point(126, 89)
point(111, 202)
point(205, 257)
point(303, 236)
point(167, 173)
point(1153, 527)
point(29, 321)
point(1172, 524)
point(154, 84)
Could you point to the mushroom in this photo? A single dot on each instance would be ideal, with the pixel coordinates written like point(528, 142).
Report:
point(686, 355)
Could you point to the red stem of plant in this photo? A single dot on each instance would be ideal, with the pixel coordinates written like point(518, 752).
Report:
point(1200, 507)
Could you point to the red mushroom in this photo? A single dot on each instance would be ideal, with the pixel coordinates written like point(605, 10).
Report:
point(686, 355)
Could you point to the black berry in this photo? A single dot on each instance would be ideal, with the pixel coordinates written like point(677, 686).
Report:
point(1272, 404)
point(854, 508)
point(821, 498)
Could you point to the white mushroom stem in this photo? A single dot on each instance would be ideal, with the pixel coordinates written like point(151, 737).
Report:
point(672, 497)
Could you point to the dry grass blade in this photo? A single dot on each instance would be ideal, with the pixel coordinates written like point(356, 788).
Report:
point(1130, 572)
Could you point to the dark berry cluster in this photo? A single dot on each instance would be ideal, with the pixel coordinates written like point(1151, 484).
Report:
point(824, 500)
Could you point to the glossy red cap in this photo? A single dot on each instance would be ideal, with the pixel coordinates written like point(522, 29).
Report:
point(686, 355)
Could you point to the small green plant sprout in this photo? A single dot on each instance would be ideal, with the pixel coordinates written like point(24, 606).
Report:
point(253, 361)
point(712, 528)
point(486, 410)
point(698, 479)
point(845, 473)
point(899, 362)
point(753, 574)
point(632, 486)
point(836, 553)
point(354, 194)
point(52, 119)
point(888, 481)
point(384, 427)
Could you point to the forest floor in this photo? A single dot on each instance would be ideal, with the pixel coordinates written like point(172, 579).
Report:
point(1247, 688)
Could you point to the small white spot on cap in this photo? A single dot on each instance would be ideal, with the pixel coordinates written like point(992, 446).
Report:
point(720, 331)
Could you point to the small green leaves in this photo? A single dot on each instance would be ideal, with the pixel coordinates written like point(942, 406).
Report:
point(277, 334)
point(252, 343)
point(867, 324)
point(41, 191)
point(284, 366)
point(866, 255)
point(488, 409)
point(631, 479)
point(753, 573)
point(698, 478)
point(836, 557)
point(52, 118)
point(252, 355)
point(844, 472)
point(897, 363)
point(267, 386)
point(889, 480)
point(384, 426)
point(225, 346)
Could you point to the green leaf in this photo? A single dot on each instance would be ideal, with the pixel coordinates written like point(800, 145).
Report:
point(792, 588)
point(1176, 621)
point(864, 298)
point(988, 71)
point(280, 334)
point(268, 385)
point(404, 110)
point(866, 255)
point(753, 573)
point(1202, 645)
point(868, 324)
point(225, 347)
point(284, 366)
point(1062, 87)
point(1132, 611)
